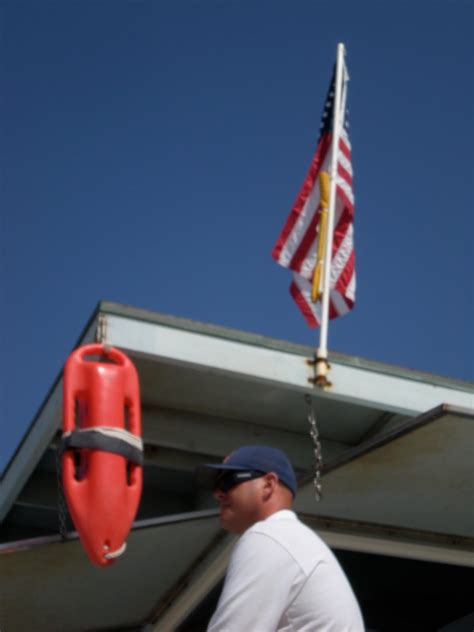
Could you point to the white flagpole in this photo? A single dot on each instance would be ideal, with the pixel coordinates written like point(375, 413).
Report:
point(322, 352)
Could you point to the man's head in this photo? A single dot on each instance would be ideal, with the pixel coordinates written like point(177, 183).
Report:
point(250, 484)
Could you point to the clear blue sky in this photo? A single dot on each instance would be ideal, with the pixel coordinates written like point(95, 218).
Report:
point(151, 151)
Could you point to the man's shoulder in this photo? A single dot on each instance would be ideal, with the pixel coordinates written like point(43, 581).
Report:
point(284, 530)
point(281, 522)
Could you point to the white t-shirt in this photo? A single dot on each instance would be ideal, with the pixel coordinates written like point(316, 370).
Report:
point(281, 576)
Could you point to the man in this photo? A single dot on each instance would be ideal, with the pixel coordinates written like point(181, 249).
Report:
point(281, 575)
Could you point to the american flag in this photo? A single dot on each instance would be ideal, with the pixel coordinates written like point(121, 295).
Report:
point(296, 247)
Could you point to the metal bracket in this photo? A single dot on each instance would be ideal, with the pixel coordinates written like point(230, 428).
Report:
point(101, 333)
point(321, 368)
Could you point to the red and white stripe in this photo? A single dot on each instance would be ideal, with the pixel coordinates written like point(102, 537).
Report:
point(297, 245)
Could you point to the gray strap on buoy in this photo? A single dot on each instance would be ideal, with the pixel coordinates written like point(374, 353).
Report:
point(106, 439)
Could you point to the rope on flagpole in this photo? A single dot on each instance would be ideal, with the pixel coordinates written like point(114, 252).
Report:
point(316, 290)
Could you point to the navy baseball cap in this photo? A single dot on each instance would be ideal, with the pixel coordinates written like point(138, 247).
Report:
point(260, 458)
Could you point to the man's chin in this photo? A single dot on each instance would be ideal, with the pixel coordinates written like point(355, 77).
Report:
point(224, 515)
point(227, 522)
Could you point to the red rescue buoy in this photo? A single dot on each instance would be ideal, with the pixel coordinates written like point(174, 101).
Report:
point(102, 452)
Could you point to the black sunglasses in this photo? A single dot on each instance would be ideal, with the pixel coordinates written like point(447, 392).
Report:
point(231, 478)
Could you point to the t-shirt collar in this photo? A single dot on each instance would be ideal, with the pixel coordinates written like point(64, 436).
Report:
point(283, 514)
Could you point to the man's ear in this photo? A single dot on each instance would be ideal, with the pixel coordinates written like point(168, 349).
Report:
point(270, 483)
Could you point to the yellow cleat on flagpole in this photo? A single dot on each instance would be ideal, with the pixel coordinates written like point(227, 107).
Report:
point(323, 220)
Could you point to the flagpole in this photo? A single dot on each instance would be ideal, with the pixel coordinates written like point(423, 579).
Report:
point(322, 365)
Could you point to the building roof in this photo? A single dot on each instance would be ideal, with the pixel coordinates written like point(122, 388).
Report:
point(397, 475)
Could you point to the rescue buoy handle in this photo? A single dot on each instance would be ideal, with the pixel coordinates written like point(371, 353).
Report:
point(134, 417)
point(113, 554)
point(98, 349)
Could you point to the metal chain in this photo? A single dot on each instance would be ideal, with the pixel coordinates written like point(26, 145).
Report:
point(62, 507)
point(318, 456)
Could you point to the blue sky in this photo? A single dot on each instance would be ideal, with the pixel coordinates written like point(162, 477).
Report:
point(151, 152)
